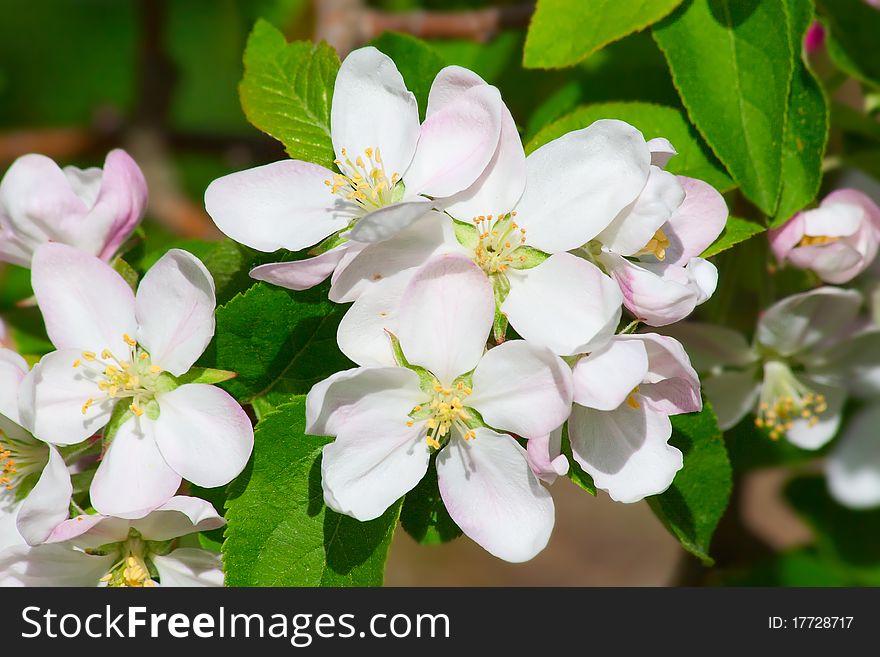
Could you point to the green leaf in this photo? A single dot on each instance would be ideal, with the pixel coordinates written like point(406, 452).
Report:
point(694, 158)
point(736, 230)
point(853, 27)
point(691, 508)
point(806, 128)
point(732, 64)
point(286, 92)
point(800, 567)
point(280, 343)
point(564, 32)
point(424, 516)
point(279, 532)
point(417, 62)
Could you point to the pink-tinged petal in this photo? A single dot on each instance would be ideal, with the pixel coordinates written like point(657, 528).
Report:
point(13, 369)
point(696, 223)
point(385, 223)
point(89, 531)
point(566, 304)
point(625, 451)
point(189, 567)
point(732, 395)
point(445, 317)
point(853, 466)
point(787, 236)
point(577, 184)
point(283, 205)
point(837, 262)
point(853, 197)
point(492, 494)
point(345, 396)
point(301, 274)
point(175, 311)
point(704, 275)
point(662, 151)
point(372, 108)
point(545, 456)
point(523, 388)
point(120, 205)
point(373, 462)
point(52, 398)
point(607, 376)
point(636, 224)
point(203, 434)
point(448, 86)
point(179, 516)
point(833, 219)
point(656, 294)
point(802, 321)
point(815, 436)
point(52, 565)
point(48, 503)
point(814, 39)
point(671, 385)
point(86, 305)
point(363, 333)
point(457, 142)
point(708, 345)
point(133, 477)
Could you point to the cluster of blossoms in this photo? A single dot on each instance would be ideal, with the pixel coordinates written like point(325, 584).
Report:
point(443, 233)
point(97, 438)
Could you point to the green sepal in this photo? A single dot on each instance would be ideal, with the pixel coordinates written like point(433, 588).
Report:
point(121, 413)
point(328, 244)
point(466, 234)
point(128, 273)
point(398, 192)
point(526, 257)
point(426, 379)
point(206, 375)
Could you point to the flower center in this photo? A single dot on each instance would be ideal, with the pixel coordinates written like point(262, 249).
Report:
point(20, 457)
point(131, 570)
point(132, 376)
point(498, 239)
point(445, 411)
point(816, 240)
point(363, 182)
point(784, 399)
point(657, 246)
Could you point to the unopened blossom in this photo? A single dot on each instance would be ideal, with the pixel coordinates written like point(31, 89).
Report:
point(389, 171)
point(804, 361)
point(837, 240)
point(120, 353)
point(446, 396)
point(853, 465)
point(93, 209)
point(96, 550)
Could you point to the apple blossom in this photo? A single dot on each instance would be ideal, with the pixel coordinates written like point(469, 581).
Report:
point(93, 209)
point(837, 240)
point(446, 397)
point(95, 550)
point(853, 466)
point(795, 376)
point(117, 361)
point(389, 170)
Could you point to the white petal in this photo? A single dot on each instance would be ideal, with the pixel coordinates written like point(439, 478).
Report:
point(456, 144)
point(373, 462)
point(732, 395)
point(522, 388)
point(13, 369)
point(282, 205)
point(813, 437)
point(605, 378)
point(853, 466)
point(705, 276)
point(662, 151)
point(709, 345)
point(52, 565)
point(133, 478)
point(48, 504)
point(385, 223)
point(203, 434)
point(179, 516)
point(625, 451)
point(578, 183)
point(52, 397)
point(492, 494)
point(9, 535)
point(363, 332)
point(90, 531)
point(85, 303)
point(445, 317)
point(565, 303)
point(301, 274)
point(671, 384)
point(344, 396)
point(372, 108)
point(636, 224)
point(175, 311)
point(546, 458)
point(189, 567)
point(802, 321)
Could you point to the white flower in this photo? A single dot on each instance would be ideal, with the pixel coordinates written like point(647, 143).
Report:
point(795, 377)
point(118, 352)
point(93, 209)
point(95, 550)
point(853, 466)
point(389, 170)
point(388, 420)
